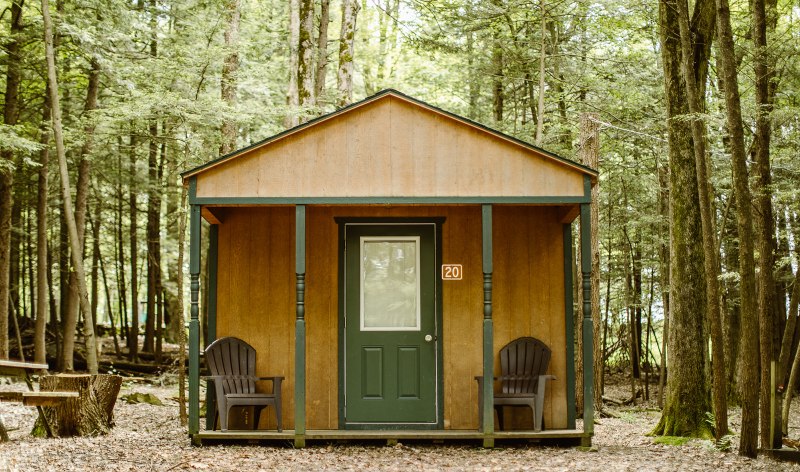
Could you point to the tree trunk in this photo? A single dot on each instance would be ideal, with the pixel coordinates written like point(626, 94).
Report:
point(70, 317)
point(10, 116)
point(765, 234)
point(179, 315)
point(697, 108)
point(305, 54)
point(120, 251)
point(542, 56)
point(687, 399)
point(788, 333)
point(75, 246)
point(350, 10)
point(292, 98)
point(663, 269)
point(91, 414)
point(322, 49)
point(42, 266)
point(230, 66)
point(133, 336)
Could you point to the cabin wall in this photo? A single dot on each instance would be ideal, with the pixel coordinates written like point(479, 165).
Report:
point(256, 298)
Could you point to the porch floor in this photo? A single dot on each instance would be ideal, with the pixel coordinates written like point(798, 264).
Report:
point(560, 436)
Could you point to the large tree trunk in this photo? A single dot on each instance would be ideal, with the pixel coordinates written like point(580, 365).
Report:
point(91, 414)
point(697, 108)
point(744, 226)
point(230, 66)
point(687, 399)
point(765, 235)
point(350, 10)
point(10, 116)
point(75, 246)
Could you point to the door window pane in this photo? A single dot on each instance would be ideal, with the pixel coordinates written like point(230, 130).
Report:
point(390, 283)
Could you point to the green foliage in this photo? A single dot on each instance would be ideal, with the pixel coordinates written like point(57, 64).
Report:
point(671, 440)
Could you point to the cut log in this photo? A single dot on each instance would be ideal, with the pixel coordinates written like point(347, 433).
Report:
point(90, 414)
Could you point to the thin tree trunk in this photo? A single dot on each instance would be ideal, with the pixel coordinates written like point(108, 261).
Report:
point(42, 266)
point(663, 262)
point(696, 108)
point(292, 98)
point(542, 56)
point(230, 66)
point(10, 116)
point(117, 351)
point(120, 242)
point(322, 49)
point(75, 246)
point(95, 223)
point(350, 10)
point(133, 336)
point(179, 313)
point(791, 326)
point(305, 54)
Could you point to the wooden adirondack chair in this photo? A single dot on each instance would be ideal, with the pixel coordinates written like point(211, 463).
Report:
point(232, 363)
point(523, 364)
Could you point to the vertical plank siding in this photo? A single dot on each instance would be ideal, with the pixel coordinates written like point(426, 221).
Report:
point(257, 292)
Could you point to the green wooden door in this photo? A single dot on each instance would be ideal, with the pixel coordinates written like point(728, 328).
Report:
point(390, 366)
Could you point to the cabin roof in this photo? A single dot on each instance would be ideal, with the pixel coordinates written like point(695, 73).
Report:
point(224, 159)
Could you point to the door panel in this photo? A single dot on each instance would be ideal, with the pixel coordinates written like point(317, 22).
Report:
point(390, 365)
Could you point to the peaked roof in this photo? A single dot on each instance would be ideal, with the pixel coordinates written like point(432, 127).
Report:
point(378, 96)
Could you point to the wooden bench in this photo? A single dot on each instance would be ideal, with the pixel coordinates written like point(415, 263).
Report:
point(37, 398)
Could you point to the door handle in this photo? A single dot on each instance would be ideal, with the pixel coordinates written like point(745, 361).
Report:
point(429, 338)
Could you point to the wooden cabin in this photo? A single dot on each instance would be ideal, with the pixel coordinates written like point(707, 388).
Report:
point(473, 226)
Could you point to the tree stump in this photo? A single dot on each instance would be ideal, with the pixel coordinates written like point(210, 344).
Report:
point(91, 414)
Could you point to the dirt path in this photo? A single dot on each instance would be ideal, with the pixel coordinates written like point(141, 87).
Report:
point(148, 437)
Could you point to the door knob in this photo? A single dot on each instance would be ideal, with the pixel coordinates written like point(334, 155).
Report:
point(428, 338)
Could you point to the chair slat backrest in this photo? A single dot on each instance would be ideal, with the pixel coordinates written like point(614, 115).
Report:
point(524, 360)
point(232, 356)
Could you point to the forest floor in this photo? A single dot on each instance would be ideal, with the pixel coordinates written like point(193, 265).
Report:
point(149, 437)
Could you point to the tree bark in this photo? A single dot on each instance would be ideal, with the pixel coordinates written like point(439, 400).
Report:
point(133, 336)
point(350, 10)
point(75, 246)
point(542, 56)
point(322, 49)
point(687, 399)
point(749, 344)
point(179, 314)
point(292, 98)
point(70, 316)
point(10, 117)
point(230, 66)
point(42, 266)
point(305, 54)
point(697, 108)
point(91, 414)
point(765, 234)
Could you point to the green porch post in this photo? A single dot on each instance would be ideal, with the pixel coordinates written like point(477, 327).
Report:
point(569, 323)
point(211, 298)
point(588, 337)
point(300, 329)
point(488, 332)
point(194, 322)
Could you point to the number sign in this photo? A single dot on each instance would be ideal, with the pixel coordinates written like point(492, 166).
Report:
point(452, 272)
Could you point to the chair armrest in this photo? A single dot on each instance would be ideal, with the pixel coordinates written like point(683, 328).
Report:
point(273, 378)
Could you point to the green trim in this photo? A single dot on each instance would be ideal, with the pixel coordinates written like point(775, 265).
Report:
point(588, 325)
point(486, 228)
point(194, 324)
point(587, 187)
point(192, 188)
point(378, 95)
point(213, 262)
point(378, 200)
point(300, 329)
point(438, 222)
point(300, 239)
point(569, 322)
point(488, 327)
